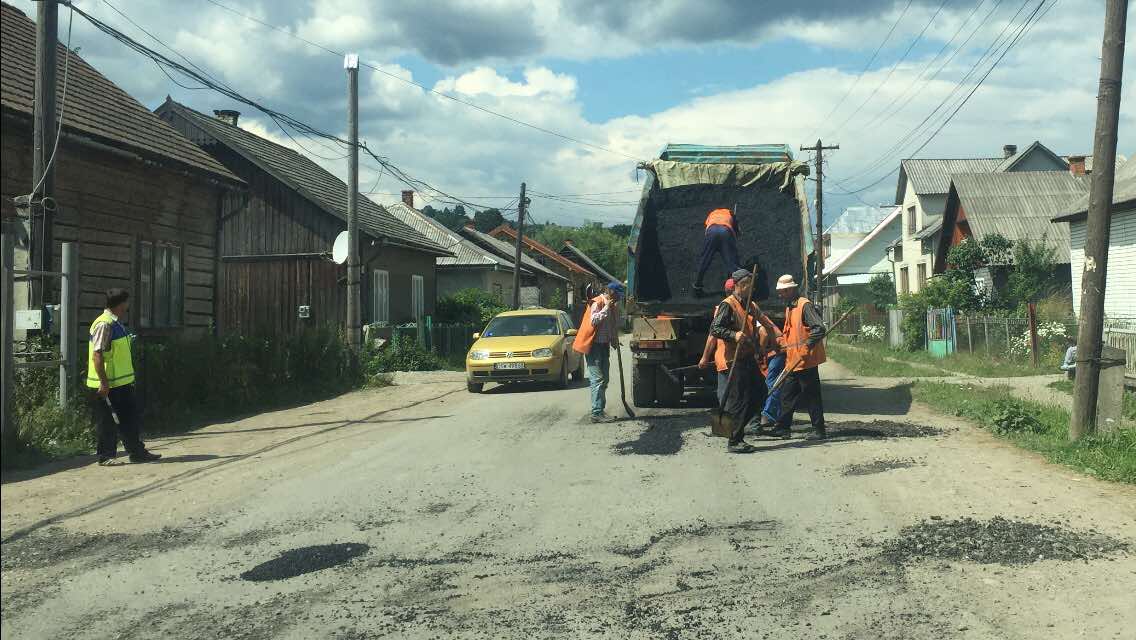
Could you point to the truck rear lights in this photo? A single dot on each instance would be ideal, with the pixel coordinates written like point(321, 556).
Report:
point(652, 344)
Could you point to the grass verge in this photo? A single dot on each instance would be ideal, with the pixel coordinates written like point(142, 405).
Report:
point(868, 359)
point(1034, 426)
point(868, 362)
point(1129, 409)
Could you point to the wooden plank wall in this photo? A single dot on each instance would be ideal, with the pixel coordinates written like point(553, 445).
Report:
point(107, 203)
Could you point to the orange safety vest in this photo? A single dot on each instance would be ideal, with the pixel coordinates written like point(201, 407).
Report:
point(724, 353)
point(720, 216)
point(768, 349)
point(587, 333)
point(797, 354)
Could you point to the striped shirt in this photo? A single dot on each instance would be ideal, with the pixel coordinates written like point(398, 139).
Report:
point(605, 320)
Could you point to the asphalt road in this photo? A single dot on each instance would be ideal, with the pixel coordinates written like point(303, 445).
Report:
point(421, 511)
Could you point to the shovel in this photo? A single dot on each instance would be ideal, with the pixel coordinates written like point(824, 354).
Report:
point(721, 424)
point(622, 387)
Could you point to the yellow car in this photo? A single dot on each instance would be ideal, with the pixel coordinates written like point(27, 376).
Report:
point(533, 345)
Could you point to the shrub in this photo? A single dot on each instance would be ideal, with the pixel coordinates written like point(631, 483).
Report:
point(881, 291)
point(468, 306)
point(914, 325)
point(1010, 416)
point(404, 355)
point(872, 333)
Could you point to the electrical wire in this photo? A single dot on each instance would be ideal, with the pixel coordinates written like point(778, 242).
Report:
point(62, 107)
point(468, 103)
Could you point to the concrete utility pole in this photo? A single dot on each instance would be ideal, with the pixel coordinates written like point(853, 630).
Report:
point(819, 149)
point(7, 338)
point(354, 299)
point(517, 258)
point(1091, 320)
point(44, 126)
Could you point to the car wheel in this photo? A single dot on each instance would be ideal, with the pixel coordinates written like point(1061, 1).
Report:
point(581, 370)
point(474, 387)
point(562, 383)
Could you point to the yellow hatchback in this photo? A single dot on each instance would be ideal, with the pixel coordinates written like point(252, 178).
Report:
point(533, 345)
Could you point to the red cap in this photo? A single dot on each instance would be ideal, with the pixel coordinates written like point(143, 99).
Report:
point(729, 284)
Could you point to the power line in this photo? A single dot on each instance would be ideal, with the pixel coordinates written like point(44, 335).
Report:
point(891, 71)
point(448, 96)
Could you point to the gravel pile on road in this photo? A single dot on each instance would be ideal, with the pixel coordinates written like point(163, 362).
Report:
point(57, 545)
point(878, 466)
point(297, 562)
point(880, 429)
point(997, 541)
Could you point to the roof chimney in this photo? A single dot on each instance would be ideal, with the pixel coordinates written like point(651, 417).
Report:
point(1009, 150)
point(1077, 165)
point(228, 116)
point(408, 198)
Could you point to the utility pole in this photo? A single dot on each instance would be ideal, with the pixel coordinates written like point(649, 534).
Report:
point(44, 127)
point(1091, 320)
point(819, 150)
point(517, 257)
point(354, 299)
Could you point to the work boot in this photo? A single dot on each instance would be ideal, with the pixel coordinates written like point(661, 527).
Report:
point(105, 461)
point(818, 434)
point(145, 456)
point(784, 433)
point(600, 418)
point(741, 447)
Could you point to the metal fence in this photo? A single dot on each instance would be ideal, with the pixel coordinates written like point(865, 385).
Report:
point(447, 340)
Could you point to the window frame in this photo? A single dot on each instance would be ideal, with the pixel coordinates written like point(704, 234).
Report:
point(375, 316)
point(417, 297)
point(160, 278)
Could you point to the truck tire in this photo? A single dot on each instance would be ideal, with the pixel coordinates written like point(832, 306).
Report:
point(667, 392)
point(643, 385)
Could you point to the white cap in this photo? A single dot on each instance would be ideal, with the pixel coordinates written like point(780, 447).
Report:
point(786, 282)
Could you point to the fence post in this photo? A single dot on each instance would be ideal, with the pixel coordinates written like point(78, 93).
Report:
point(969, 340)
point(1007, 334)
point(7, 337)
point(1032, 315)
point(986, 334)
point(69, 319)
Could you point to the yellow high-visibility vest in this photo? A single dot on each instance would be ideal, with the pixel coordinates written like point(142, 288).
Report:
point(117, 361)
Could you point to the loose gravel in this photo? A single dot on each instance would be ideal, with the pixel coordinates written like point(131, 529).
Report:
point(297, 562)
point(878, 466)
point(997, 541)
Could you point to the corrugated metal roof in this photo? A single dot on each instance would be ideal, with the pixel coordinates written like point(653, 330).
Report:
point(302, 174)
point(543, 249)
point(1123, 191)
point(860, 219)
point(95, 106)
point(1020, 205)
point(934, 176)
point(579, 256)
point(508, 251)
point(930, 230)
point(723, 154)
point(1010, 162)
point(466, 253)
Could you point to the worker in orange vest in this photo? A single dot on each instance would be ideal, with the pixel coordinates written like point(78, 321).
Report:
point(803, 340)
point(599, 332)
point(712, 346)
point(721, 237)
point(735, 328)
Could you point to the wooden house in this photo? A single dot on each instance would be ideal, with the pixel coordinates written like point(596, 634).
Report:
point(541, 286)
point(140, 199)
point(275, 271)
point(579, 278)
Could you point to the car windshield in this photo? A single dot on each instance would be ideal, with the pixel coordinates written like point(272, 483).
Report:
point(521, 326)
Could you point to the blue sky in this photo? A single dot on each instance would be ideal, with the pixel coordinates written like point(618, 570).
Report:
point(628, 76)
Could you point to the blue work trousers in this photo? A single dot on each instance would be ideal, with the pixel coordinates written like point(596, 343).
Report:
point(599, 359)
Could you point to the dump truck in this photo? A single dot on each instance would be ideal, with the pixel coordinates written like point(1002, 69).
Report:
point(669, 320)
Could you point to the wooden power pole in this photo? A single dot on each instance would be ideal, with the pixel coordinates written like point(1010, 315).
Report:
point(354, 299)
point(1091, 319)
point(819, 150)
point(44, 127)
point(517, 258)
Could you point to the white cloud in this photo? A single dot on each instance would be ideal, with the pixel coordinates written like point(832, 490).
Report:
point(486, 81)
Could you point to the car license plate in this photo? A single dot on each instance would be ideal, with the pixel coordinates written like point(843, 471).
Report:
point(509, 365)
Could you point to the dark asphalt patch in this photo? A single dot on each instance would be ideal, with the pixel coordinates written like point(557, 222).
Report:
point(297, 562)
point(664, 436)
point(997, 541)
point(878, 466)
point(855, 429)
point(56, 545)
point(695, 530)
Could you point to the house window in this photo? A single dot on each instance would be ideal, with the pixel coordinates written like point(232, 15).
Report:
point(417, 297)
point(921, 270)
point(904, 285)
point(160, 285)
point(380, 296)
point(910, 220)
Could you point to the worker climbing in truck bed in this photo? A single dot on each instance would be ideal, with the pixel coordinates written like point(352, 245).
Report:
point(721, 238)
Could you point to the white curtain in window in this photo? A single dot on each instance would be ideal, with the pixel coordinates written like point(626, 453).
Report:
point(380, 296)
point(417, 297)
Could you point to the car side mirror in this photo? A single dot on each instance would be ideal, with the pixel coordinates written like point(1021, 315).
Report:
point(476, 336)
point(571, 332)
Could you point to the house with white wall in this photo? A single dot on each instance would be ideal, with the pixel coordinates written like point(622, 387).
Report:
point(848, 274)
point(1120, 274)
point(921, 192)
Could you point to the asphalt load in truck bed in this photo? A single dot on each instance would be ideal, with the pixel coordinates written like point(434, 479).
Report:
point(673, 232)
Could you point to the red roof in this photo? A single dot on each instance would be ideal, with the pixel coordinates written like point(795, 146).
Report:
point(539, 248)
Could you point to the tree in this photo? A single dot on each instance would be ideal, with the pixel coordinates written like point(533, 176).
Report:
point(602, 245)
point(1033, 271)
point(621, 230)
point(452, 219)
point(881, 291)
point(487, 220)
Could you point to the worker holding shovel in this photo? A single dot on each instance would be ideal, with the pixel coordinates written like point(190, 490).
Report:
point(599, 332)
point(734, 327)
point(803, 340)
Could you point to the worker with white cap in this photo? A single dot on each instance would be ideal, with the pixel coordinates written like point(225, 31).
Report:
point(803, 340)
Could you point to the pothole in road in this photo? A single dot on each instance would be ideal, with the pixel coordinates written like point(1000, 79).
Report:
point(854, 429)
point(878, 466)
point(694, 530)
point(297, 562)
point(997, 541)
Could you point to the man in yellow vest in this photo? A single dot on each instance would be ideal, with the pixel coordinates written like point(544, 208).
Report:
point(734, 327)
point(110, 374)
point(803, 341)
point(599, 332)
point(721, 237)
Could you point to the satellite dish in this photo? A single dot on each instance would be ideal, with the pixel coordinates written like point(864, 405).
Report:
point(339, 248)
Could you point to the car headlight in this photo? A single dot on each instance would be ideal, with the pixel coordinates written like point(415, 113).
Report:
point(542, 353)
point(478, 355)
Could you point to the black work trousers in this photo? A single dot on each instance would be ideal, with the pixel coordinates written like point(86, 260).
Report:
point(744, 396)
point(718, 240)
point(128, 428)
point(801, 390)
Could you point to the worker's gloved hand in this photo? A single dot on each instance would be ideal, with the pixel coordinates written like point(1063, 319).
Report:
point(739, 336)
point(703, 363)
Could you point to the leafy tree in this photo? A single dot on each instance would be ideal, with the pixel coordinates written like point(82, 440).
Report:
point(881, 291)
point(453, 219)
point(468, 306)
point(608, 249)
point(1033, 271)
point(621, 230)
point(487, 220)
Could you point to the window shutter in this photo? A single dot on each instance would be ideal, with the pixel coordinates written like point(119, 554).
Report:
point(380, 296)
point(176, 287)
point(417, 297)
point(145, 283)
